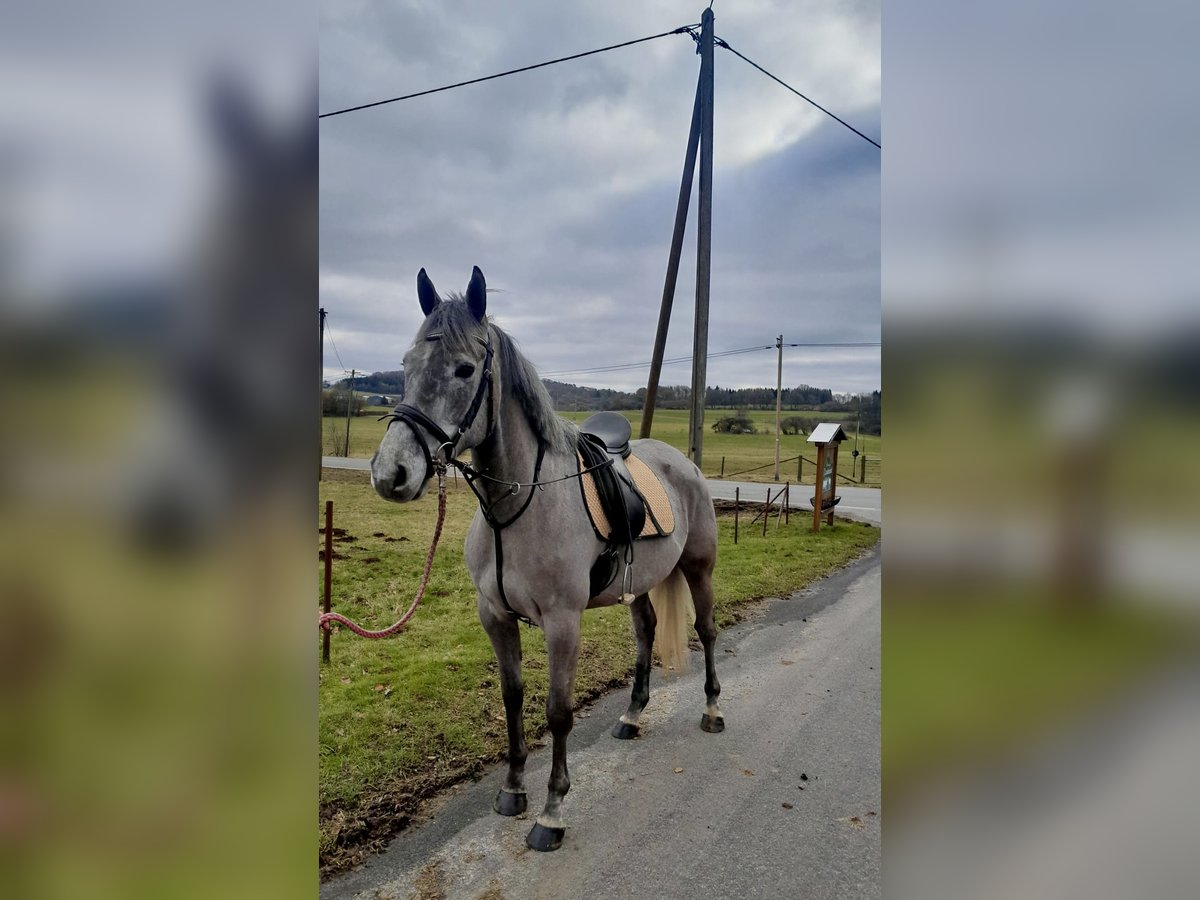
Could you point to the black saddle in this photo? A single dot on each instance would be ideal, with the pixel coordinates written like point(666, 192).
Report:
point(612, 428)
point(603, 444)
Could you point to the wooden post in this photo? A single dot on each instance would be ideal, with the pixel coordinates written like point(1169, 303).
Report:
point(703, 243)
point(349, 406)
point(833, 480)
point(778, 398)
point(767, 512)
point(668, 296)
point(800, 468)
point(722, 467)
point(328, 575)
point(737, 505)
point(787, 501)
point(817, 488)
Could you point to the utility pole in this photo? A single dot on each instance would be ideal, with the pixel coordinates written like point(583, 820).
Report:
point(349, 407)
point(321, 398)
point(778, 397)
point(668, 295)
point(703, 242)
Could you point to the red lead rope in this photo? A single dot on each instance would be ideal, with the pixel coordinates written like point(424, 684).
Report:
point(327, 618)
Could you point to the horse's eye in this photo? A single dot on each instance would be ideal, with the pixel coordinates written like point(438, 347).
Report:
point(464, 370)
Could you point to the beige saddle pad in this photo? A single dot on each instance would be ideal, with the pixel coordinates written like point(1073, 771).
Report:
point(660, 518)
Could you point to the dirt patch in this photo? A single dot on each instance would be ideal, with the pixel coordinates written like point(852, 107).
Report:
point(346, 476)
point(430, 883)
point(355, 832)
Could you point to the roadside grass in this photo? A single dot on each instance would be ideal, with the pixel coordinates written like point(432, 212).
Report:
point(402, 718)
point(972, 675)
point(739, 451)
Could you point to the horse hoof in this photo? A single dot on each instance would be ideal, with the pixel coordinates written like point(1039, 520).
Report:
point(545, 839)
point(712, 724)
point(624, 731)
point(509, 804)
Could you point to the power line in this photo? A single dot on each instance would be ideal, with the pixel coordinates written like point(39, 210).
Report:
point(838, 344)
point(723, 353)
point(683, 29)
point(641, 365)
point(722, 43)
point(335, 349)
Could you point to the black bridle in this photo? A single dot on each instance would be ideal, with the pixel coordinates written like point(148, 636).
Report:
point(415, 419)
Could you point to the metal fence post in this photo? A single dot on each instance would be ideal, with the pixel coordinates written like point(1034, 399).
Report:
point(737, 505)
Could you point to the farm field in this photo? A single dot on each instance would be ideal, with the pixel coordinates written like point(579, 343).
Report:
point(740, 452)
point(404, 717)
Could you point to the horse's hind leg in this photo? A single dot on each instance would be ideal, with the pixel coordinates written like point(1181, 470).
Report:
point(562, 650)
point(699, 579)
point(506, 642)
point(643, 628)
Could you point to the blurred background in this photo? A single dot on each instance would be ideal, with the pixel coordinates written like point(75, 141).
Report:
point(158, 224)
point(157, 315)
point(1042, 366)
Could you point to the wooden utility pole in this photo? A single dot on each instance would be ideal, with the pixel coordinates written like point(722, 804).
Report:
point(778, 397)
point(703, 242)
point(349, 409)
point(668, 295)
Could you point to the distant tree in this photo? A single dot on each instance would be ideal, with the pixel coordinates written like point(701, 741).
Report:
point(794, 425)
point(333, 403)
point(872, 412)
point(738, 424)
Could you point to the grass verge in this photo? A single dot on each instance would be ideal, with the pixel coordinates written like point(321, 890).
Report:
point(403, 718)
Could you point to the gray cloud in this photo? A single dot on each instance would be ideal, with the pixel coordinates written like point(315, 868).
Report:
point(561, 183)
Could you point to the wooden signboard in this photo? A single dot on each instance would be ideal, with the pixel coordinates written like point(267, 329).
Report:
point(828, 437)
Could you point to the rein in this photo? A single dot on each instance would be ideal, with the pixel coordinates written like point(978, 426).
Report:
point(326, 618)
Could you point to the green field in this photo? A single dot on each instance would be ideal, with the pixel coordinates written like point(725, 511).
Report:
point(403, 717)
point(732, 454)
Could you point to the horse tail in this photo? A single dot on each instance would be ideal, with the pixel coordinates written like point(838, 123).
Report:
point(675, 612)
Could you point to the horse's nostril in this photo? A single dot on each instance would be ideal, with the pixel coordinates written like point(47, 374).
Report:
point(401, 477)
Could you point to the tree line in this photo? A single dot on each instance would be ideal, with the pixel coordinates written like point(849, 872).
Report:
point(571, 397)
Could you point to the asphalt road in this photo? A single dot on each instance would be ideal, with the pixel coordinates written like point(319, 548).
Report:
point(861, 504)
point(858, 503)
point(784, 803)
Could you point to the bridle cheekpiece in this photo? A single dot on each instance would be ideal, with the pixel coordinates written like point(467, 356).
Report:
point(415, 418)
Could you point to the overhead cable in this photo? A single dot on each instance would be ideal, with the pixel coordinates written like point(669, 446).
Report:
point(722, 43)
point(337, 112)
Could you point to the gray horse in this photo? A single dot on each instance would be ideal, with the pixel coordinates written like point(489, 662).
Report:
point(530, 548)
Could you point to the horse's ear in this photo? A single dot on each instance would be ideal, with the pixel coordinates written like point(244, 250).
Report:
point(426, 293)
point(477, 294)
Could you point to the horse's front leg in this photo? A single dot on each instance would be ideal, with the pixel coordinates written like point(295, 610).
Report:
point(506, 642)
point(562, 651)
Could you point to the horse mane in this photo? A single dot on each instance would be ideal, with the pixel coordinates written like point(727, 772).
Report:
point(459, 328)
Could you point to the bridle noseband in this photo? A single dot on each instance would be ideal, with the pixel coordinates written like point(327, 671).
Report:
point(415, 418)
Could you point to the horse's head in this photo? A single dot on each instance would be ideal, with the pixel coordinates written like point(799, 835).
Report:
point(449, 391)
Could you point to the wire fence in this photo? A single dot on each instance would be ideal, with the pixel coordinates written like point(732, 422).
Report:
point(865, 470)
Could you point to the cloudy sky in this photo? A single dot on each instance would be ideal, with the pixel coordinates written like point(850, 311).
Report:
point(560, 184)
